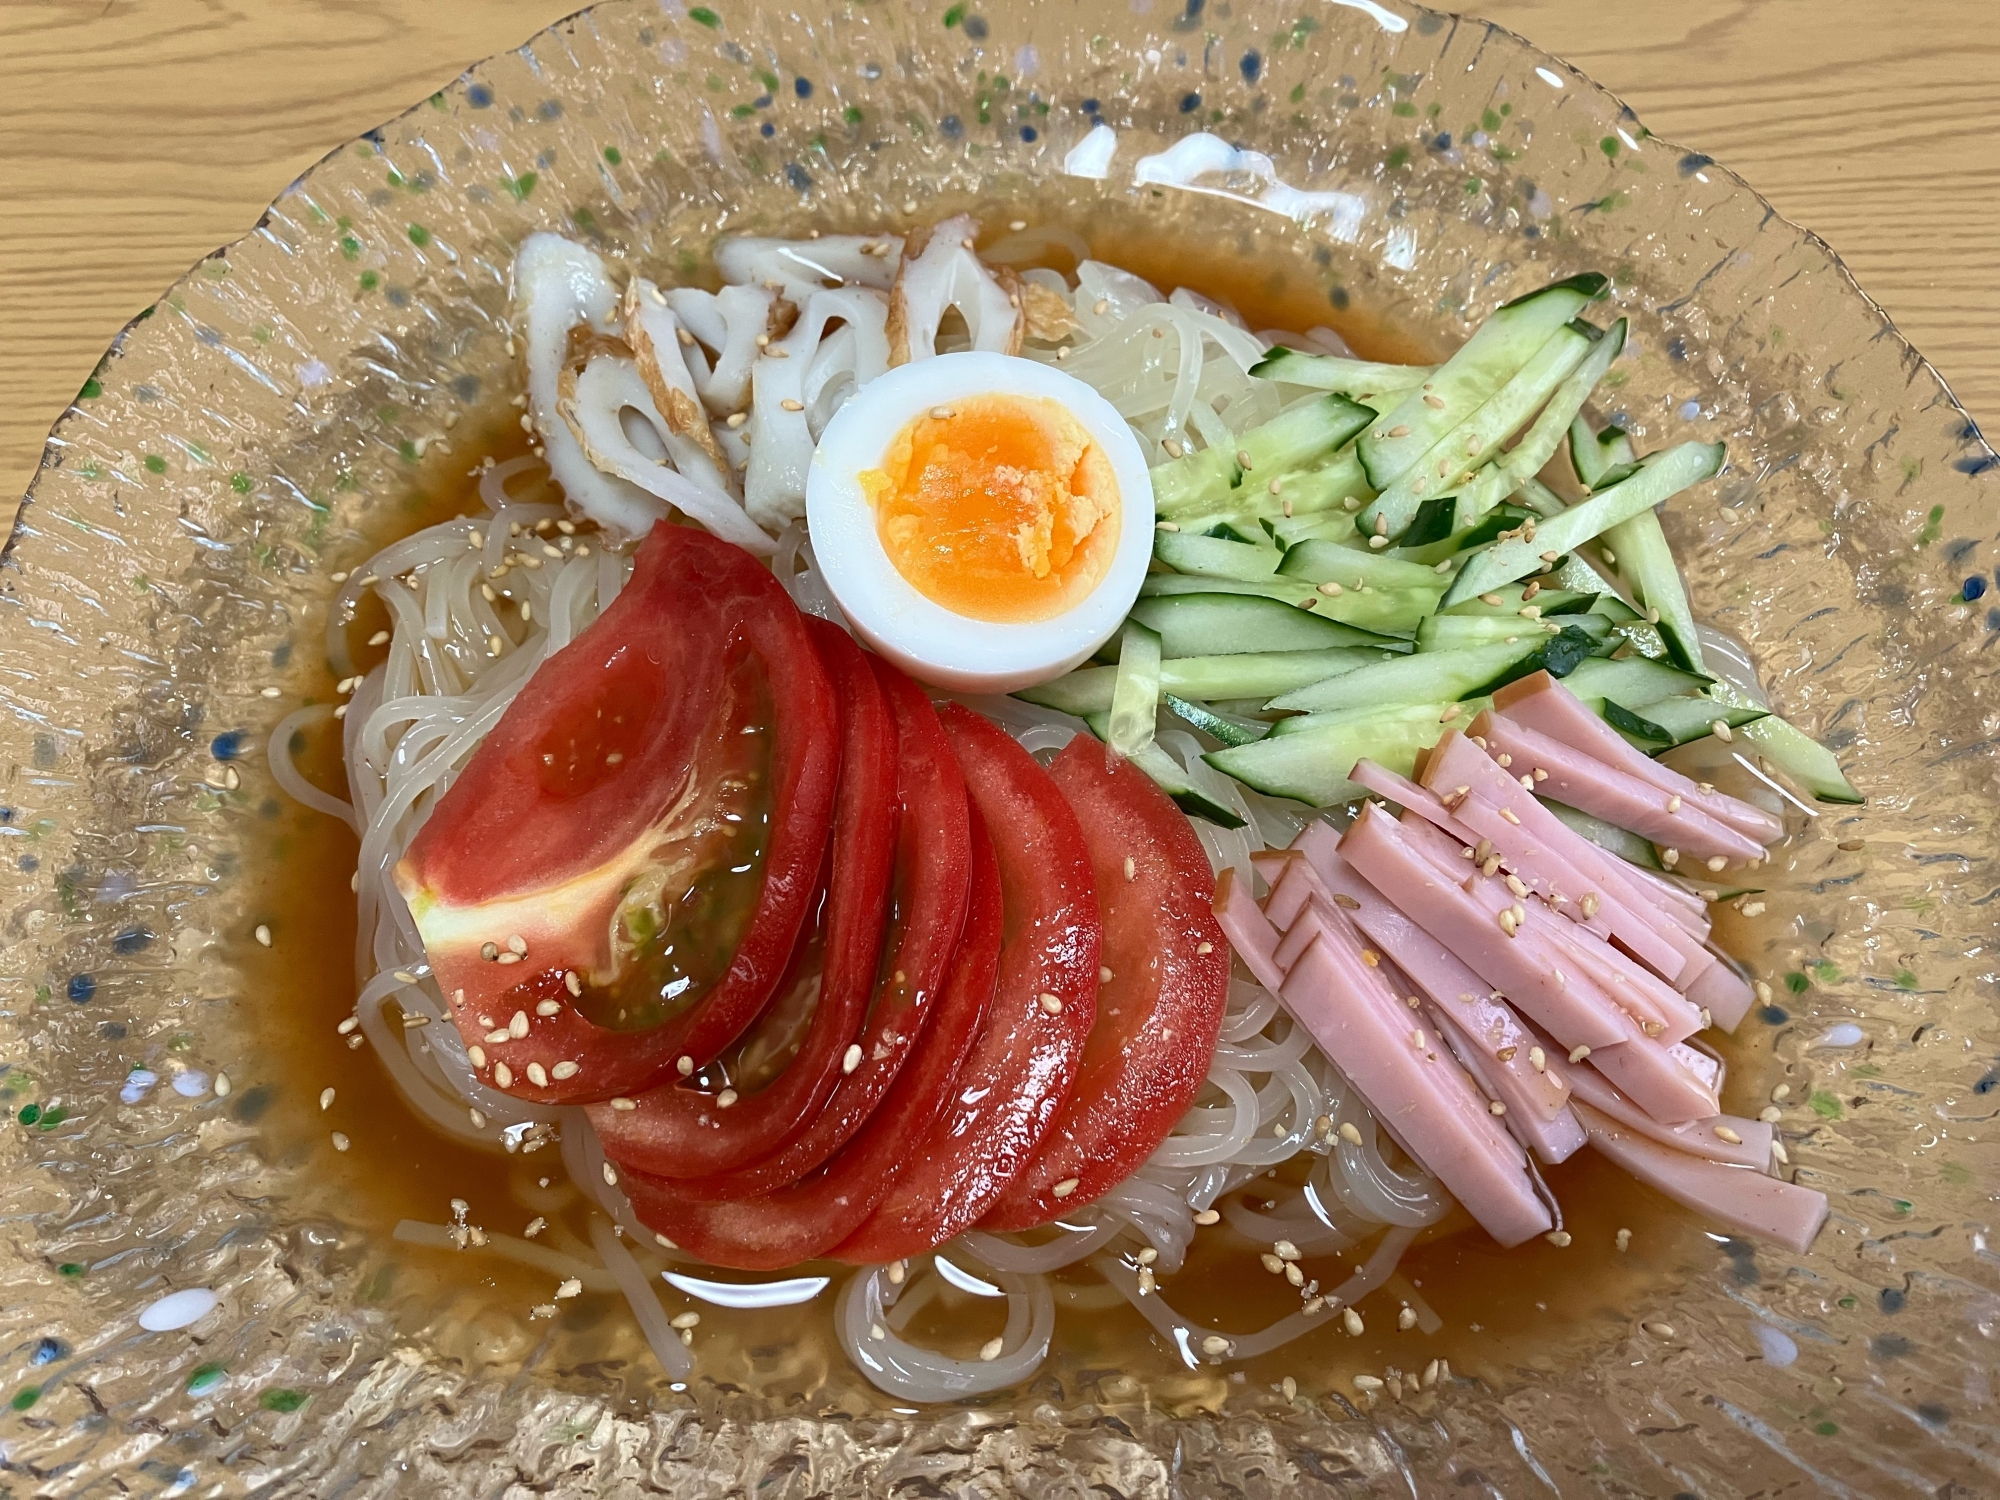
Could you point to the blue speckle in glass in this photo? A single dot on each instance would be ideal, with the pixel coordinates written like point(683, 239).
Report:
point(28, 864)
point(767, 129)
point(1993, 619)
point(798, 177)
point(133, 940)
point(1190, 103)
point(1677, 348)
point(1251, 66)
point(479, 96)
point(81, 988)
point(1975, 587)
point(1442, 142)
point(6, 814)
point(227, 745)
point(762, 101)
point(1028, 132)
point(975, 27)
point(48, 1351)
point(1891, 1299)
point(550, 109)
point(1889, 1346)
point(1773, 1015)
point(803, 87)
point(1976, 463)
point(1693, 162)
point(1089, 106)
point(952, 126)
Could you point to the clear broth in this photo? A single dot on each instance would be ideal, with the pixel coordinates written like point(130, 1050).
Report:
point(1502, 1313)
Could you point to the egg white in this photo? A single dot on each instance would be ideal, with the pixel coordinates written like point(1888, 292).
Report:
point(930, 642)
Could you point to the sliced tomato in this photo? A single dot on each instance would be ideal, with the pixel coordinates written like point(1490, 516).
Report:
point(1024, 1064)
point(805, 1219)
point(682, 1129)
point(1159, 1013)
point(933, 874)
point(618, 877)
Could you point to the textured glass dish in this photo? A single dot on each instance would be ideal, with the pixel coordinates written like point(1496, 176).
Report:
point(272, 417)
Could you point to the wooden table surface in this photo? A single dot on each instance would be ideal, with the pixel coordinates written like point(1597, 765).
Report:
point(137, 135)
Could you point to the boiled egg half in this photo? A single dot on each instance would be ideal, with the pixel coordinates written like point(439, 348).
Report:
point(982, 520)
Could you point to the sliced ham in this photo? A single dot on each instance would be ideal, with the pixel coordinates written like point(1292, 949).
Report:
point(1249, 931)
point(1411, 1082)
point(1723, 992)
point(1735, 1196)
point(1554, 1139)
point(1661, 1010)
point(1751, 1148)
point(1603, 791)
point(1542, 703)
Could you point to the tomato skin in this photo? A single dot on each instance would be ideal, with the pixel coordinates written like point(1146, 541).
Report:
point(675, 1130)
point(806, 1219)
point(1158, 1016)
point(533, 835)
point(1024, 1063)
point(933, 878)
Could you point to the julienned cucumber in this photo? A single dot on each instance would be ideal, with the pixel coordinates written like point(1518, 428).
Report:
point(1466, 539)
point(1667, 722)
point(1358, 378)
point(1646, 564)
point(1634, 681)
point(1315, 495)
point(1223, 624)
point(1391, 612)
point(1512, 598)
point(1291, 440)
point(1622, 842)
point(1213, 557)
point(1227, 728)
point(1135, 691)
point(1791, 750)
point(1351, 567)
point(1252, 674)
point(1503, 343)
point(1595, 454)
point(1661, 475)
point(1454, 632)
point(1312, 767)
point(1462, 449)
point(1172, 778)
point(1441, 676)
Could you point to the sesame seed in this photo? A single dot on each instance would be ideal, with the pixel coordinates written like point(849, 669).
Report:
point(1401, 429)
point(684, 1065)
point(725, 1099)
point(1371, 958)
point(1313, 1305)
point(1052, 1004)
point(1215, 1346)
point(1624, 1239)
point(263, 935)
point(1507, 922)
point(538, 1075)
point(379, 638)
point(897, 1271)
point(1294, 1275)
point(610, 1175)
point(326, 1098)
point(477, 1055)
point(517, 1025)
point(1674, 803)
point(1285, 1249)
point(507, 958)
point(1658, 1330)
point(565, 1069)
point(1670, 857)
point(1290, 1387)
point(1716, 862)
point(1495, 1107)
point(570, 1288)
point(502, 1074)
point(1100, 306)
point(547, 1007)
point(1067, 1186)
point(1436, 403)
point(1105, 976)
point(500, 1034)
point(1508, 814)
point(788, 404)
point(1351, 1321)
point(942, 413)
point(1165, 526)
point(1378, 541)
point(1406, 1319)
point(1147, 1281)
point(1330, 589)
point(1514, 884)
point(1206, 1217)
point(1724, 1133)
point(1417, 1037)
point(1350, 1133)
point(680, 1321)
point(1578, 1054)
point(990, 1350)
point(1778, 1150)
point(478, 1120)
point(534, 1227)
point(1538, 1059)
point(340, 1141)
point(1770, 1114)
point(1589, 904)
point(1721, 731)
point(1559, 1238)
point(735, 419)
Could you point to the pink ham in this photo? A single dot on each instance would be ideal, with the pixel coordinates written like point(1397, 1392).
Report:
point(1751, 1148)
point(1671, 896)
point(1411, 1082)
point(1660, 1009)
point(1542, 703)
point(1616, 796)
point(1555, 1138)
point(1725, 994)
point(1735, 1196)
point(1249, 931)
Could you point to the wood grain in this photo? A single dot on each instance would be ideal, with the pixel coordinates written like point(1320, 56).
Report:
point(137, 135)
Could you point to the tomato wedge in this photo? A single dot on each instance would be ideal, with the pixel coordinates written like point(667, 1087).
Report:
point(618, 877)
point(807, 1218)
point(1024, 1063)
point(933, 874)
point(680, 1130)
point(1159, 1014)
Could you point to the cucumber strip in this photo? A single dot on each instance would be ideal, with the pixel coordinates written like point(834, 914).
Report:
point(1286, 590)
point(1135, 691)
point(1427, 677)
point(1256, 675)
point(1238, 529)
point(1663, 474)
point(1451, 462)
point(1468, 710)
point(1225, 727)
point(1501, 345)
point(1291, 440)
point(1680, 721)
point(1313, 767)
point(1634, 681)
point(1801, 757)
point(1212, 557)
point(1585, 457)
point(1615, 446)
point(1351, 567)
point(1622, 842)
point(1647, 565)
point(1641, 731)
point(1172, 778)
point(1313, 491)
point(1617, 474)
point(1221, 624)
point(1501, 518)
point(1614, 609)
point(1359, 378)
point(1510, 599)
point(1454, 632)
point(1539, 498)
point(1388, 612)
point(1289, 531)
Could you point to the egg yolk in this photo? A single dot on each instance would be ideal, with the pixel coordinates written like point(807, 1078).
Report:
point(997, 507)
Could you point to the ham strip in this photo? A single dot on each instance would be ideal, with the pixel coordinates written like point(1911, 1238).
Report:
point(1410, 1080)
point(1554, 1139)
point(1734, 1196)
point(1249, 931)
point(1603, 791)
point(1543, 704)
point(1752, 1147)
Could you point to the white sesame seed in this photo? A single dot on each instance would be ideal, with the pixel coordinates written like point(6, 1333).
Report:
point(263, 935)
point(1658, 1330)
point(538, 1075)
point(684, 1320)
point(684, 1065)
point(500, 1034)
point(1495, 1107)
point(1770, 1114)
point(1131, 868)
point(1067, 1186)
point(547, 1007)
point(507, 958)
point(1717, 862)
point(1215, 1346)
point(1350, 1133)
point(1559, 1238)
point(1147, 1281)
point(477, 1055)
point(1052, 1004)
point(1206, 1217)
point(570, 1288)
point(1721, 731)
point(1670, 857)
point(991, 1349)
point(1351, 1321)
point(340, 1141)
point(1724, 1133)
point(1406, 1319)
point(1105, 976)
point(725, 1099)
point(1578, 1054)
point(1285, 1250)
point(502, 1074)
point(1538, 1059)
point(1147, 1256)
point(1589, 904)
point(1204, 948)
point(610, 1175)
point(788, 404)
point(851, 1058)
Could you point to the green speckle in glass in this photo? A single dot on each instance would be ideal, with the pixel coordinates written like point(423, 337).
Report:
point(1932, 527)
point(279, 1399)
point(715, 83)
point(407, 451)
point(240, 482)
point(1825, 1429)
point(1398, 158)
point(583, 218)
point(155, 464)
point(26, 1397)
point(419, 235)
point(1506, 109)
point(397, 179)
point(350, 247)
point(141, 583)
point(953, 16)
point(437, 101)
point(1405, 109)
point(388, 412)
point(743, 112)
point(520, 187)
point(1797, 983)
point(769, 79)
point(70, 1268)
point(1847, 1303)
point(204, 1379)
point(852, 114)
point(1472, 185)
point(701, 15)
point(369, 281)
point(1298, 94)
point(1825, 1105)
point(30, 1113)
point(614, 156)
point(1000, 83)
point(1609, 145)
point(92, 389)
point(53, 1117)
point(1826, 973)
point(262, 333)
point(1905, 980)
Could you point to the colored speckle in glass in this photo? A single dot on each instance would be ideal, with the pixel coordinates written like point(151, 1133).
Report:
point(26, 1397)
point(419, 235)
point(227, 745)
point(369, 281)
point(30, 1113)
point(1251, 66)
point(1609, 145)
point(767, 129)
point(479, 96)
point(240, 482)
point(1190, 103)
point(1825, 1105)
point(1028, 132)
point(281, 1400)
point(1975, 586)
point(852, 114)
point(350, 247)
point(520, 187)
point(701, 15)
point(802, 87)
point(614, 156)
point(82, 988)
point(953, 16)
point(155, 464)
point(48, 1351)
point(92, 389)
point(204, 1379)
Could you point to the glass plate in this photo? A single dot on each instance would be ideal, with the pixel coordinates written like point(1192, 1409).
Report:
point(165, 587)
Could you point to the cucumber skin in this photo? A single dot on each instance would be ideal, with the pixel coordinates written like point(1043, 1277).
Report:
point(1164, 772)
point(1303, 766)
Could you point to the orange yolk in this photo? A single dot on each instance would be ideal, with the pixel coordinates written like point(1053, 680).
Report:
point(997, 507)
